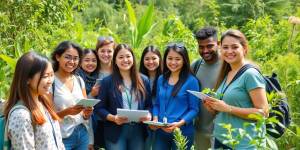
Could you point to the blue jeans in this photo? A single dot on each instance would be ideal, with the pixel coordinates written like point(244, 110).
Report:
point(165, 141)
point(150, 139)
point(78, 140)
point(131, 138)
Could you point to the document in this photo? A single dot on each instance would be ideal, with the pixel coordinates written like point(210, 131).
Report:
point(88, 102)
point(132, 115)
point(160, 124)
point(198, 94)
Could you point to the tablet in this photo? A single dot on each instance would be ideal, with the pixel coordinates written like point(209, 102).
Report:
point(160, 124)
point(132, 115)
point(198, 94)
point(88, 102)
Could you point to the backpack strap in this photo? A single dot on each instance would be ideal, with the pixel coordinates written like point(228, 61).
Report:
point(237, 75)
point(197, 65)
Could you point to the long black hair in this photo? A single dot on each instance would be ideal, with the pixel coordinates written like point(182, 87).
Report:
point(185, 70)
point(138, 86)
point(158, 70)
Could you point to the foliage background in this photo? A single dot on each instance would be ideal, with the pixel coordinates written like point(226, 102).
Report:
point(40, 25)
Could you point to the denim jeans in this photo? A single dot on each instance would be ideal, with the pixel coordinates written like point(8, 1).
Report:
point(150, 139)
point(131, 138)
point(165, 141)
point(78, 140)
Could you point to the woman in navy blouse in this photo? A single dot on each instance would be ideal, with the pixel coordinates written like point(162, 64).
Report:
point(124, 88)
point(174, 105)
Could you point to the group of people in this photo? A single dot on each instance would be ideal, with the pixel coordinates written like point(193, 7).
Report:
point(49, 91)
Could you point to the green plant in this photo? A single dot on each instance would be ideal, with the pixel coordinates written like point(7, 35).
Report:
point(139, 29)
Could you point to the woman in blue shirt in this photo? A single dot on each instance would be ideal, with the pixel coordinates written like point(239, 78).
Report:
point(244, 96)
point(124, 88)
point(174, 105)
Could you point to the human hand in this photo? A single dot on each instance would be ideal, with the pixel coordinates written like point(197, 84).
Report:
point(95, 90)
point(91, 147)
point(217, 105)
point(87, 112)
point(171, 127)
point(119, 120)
point(152, 127)
point(74, 110)
point(146, 118)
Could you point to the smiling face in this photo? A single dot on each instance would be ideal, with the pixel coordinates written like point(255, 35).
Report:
point(232, 50)
point(174, 61)
point(208, 49)
point(69, 60)
point(105, 53)
point(124, 60)
point(89, 62)
point(40, 84)
point(151, 61)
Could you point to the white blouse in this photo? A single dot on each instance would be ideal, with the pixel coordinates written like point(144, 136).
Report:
point(64, 98)
point(25, 136)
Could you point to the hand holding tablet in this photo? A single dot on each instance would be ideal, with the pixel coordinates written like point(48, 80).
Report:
point(159, 124)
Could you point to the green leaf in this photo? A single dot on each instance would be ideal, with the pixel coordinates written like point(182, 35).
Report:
point(131, 14)
point(10, 61)
point(271, 144)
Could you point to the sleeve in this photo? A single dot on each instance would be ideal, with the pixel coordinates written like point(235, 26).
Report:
point(21, 130)
point(156, 105)
point(100, 108)
point(253, 80)
point(193, 102)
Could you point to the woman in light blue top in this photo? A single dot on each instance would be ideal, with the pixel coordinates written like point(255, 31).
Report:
point(173, 104)
point(238, 99)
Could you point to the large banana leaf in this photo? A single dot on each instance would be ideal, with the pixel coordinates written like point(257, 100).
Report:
point(143, 27)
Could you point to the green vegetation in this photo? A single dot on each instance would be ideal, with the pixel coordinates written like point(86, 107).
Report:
point(40, 25)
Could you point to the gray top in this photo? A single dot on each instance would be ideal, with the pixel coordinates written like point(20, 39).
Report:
point(207, 75)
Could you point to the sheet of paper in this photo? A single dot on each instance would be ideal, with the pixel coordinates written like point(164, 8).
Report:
point(198, 94)
point(132, 115)
point(160, 124)
point(88, 102)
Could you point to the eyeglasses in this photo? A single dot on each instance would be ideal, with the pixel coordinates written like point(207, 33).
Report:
point(105, 38)
point(175, 45)
point(70, 58)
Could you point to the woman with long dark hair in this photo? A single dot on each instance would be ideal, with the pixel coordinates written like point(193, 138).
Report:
point(68, 89)
point(151, 66)
point(124, 88)
point(31, 119)
point(173, 104)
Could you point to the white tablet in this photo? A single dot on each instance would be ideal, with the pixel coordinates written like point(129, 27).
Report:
point(88, 102)
point(198, 94)
point(160, 124)
point(132, 115)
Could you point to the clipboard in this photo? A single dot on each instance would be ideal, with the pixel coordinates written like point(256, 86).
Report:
point(159, 124)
